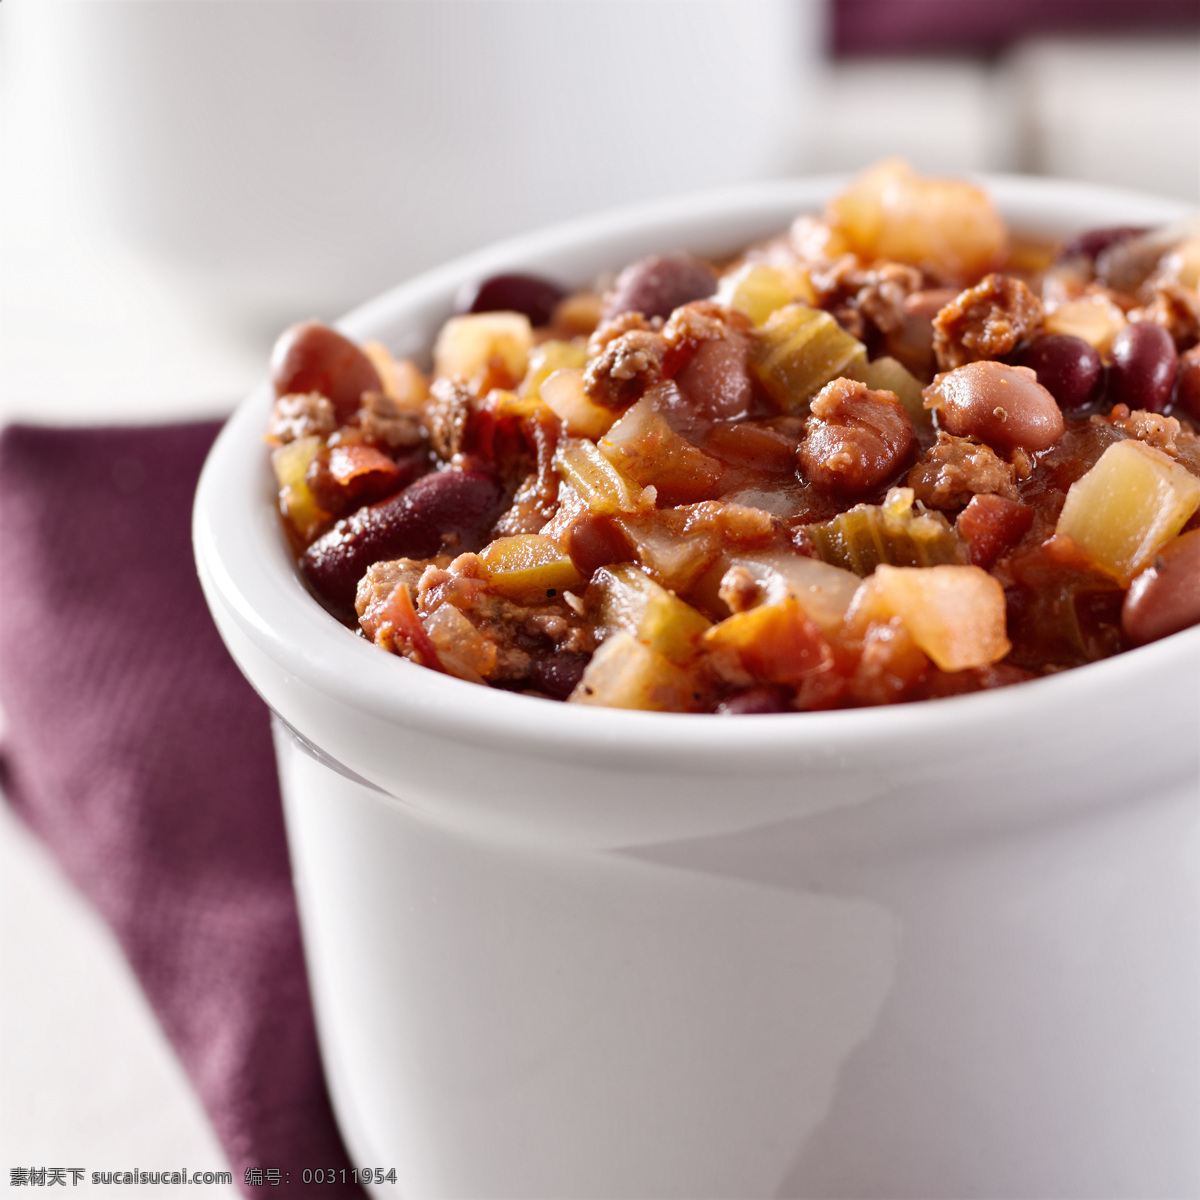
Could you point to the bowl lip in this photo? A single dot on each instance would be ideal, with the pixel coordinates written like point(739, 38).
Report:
point(249, 576)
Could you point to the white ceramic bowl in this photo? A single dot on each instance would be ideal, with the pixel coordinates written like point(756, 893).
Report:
point(941, 949)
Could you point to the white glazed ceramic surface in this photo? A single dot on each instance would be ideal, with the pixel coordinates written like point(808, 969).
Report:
point(941, 950)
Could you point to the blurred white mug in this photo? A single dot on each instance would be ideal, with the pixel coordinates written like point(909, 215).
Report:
point(287, 158)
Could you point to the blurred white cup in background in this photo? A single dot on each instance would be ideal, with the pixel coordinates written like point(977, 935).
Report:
point(287, 158)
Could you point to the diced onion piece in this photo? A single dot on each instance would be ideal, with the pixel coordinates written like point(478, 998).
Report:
point(774, 643)
point(956, 614)
point(797, 351)
point(466, 345)
point(626, 673)
point(352, 460)
point(673, 556)
point(548, 357)
point(1128, 506)
point(601, 486)
point(563, 392)
point(290, 464)
point(461, 648)
point(886, 374)
point(1094, 318)
point(625, 598)
point(947, 227)
point(866, 535)
point(758, 289)
point(644, 448)
point(822, 590)
point(528, 567)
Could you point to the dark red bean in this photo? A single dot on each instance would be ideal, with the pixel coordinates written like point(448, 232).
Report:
point(558, 673)
point(1095, 241)
point(1069, 368)
point(753, 700)
point(1187, 383)
point(658, 285)
point(311, 357)
point(1143, 366)
point(448, 506)
point(532, 295)
point(1165, 597)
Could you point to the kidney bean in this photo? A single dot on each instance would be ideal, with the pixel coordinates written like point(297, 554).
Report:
point(532, 295)
point(1187, 383)
point(658, 285)
point(1069, 368)
point(1094, 241)
point(454, 505)
point(311, 357)
point(1143, 366)
point(1165, 597)
point(1003, 406)
point(856, 439)
point(558, 673)
point(753, 700)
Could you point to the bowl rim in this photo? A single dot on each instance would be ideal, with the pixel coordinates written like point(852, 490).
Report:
point(250, 579)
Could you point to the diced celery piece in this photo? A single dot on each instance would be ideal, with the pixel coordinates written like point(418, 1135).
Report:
point(547, 358)
point(956, 614)
point(644, 448)
point(1128, 506)
point(290, 464)
point(626, 598)
point(797, 351)
point(527, 567)
point(466, 345)
point(886, 374)
point(626, 673)
point(563, 392)
point(601, 486)
point(893, 533)
point(758, 289)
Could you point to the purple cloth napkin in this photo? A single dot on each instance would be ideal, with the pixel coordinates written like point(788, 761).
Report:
point(983, 26)
point(143, 759)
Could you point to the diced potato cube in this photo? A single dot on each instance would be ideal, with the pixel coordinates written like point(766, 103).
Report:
point(886, 374)
point(797, 351)
point(1095, 318)
point(626, 598)
point(466, 345)
point(758, 289)
point(947, 227)
point(290, 464)
point(528, 568)
point(774, 643)
point(563, 392)
point(601, 486)
point(956, 614)
point(626, 673)
point(1128, 506)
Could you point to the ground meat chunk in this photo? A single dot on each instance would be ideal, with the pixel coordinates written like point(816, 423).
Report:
point(298, 415)
point(446, 415)
point(986, 321)
point(381, 420)
point(862, 298)
point(855, 439)
point(1152, 428)
point(955, 469)
point(381, 580)
point(625, 368)
point(614, 327)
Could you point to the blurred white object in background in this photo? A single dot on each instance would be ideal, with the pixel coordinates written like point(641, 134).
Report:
point(292, 158)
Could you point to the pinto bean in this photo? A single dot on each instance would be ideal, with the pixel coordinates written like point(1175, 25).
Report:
point(716, 381)
point(448, 507)
point(658, 285)
point(311, 357)
point(1003, 406)
point(1165, 597)
point(856, 439)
